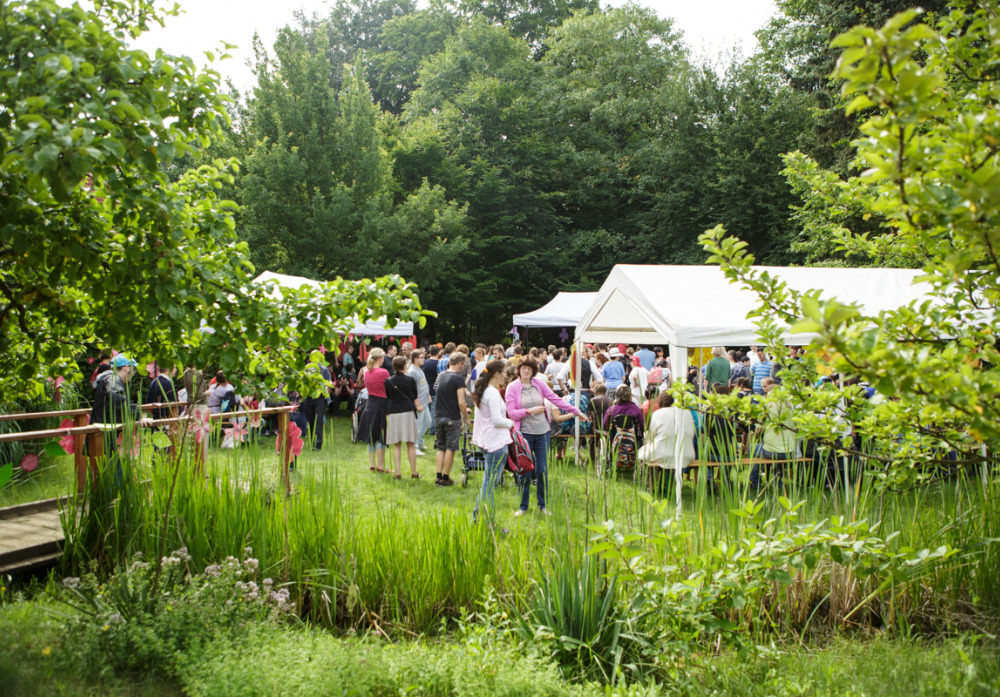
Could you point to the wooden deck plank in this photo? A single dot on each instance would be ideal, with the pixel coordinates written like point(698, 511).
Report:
point(31, 536)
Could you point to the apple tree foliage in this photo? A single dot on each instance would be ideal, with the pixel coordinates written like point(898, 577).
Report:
point(97, 247)
point(928, 163)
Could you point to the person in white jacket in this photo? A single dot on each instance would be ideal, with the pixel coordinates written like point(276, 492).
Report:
point(670, 437)
point(491, 430)
point(638, 378)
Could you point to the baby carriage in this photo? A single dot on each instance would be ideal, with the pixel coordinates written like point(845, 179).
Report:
point(473, 459)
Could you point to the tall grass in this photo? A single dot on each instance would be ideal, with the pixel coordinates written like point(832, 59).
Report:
point(390, 557)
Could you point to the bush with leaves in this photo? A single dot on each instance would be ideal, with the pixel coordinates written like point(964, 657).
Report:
point(98, 247)
point(682, 603)
point(930, 167)
point(146, 615)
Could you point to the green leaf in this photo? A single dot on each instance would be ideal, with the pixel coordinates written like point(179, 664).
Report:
point(53, 449)
point(160, 439)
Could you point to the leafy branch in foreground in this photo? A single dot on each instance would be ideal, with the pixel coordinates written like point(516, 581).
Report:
point(97, 246)
point(930, 169)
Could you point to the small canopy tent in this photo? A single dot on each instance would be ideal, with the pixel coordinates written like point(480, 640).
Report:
point(373, 327)
point(695, 306)
point(564, 310)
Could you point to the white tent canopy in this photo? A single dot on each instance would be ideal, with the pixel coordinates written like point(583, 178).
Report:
point(695, 306)
point(564, 310)
point(373, 327)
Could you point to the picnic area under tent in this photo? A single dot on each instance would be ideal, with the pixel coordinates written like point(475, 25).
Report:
point(564, 310)
point(373, 327)
point(697, 306)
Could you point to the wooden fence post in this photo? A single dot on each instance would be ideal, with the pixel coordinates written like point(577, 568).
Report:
point(95, 451)
point(79, 456)
point(173, 432)
point(284, 437)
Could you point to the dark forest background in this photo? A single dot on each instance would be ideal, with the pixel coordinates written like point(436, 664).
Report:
point(495, 152)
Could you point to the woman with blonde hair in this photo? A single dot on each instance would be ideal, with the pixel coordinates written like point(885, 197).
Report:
point(371, 428)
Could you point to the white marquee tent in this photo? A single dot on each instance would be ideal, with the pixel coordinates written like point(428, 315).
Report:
point(697, 306)
point(564, 310)
point(373, 327)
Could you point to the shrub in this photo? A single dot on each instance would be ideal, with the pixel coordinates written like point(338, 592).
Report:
point(137, 623)
point(576, 614)
point(309, 662)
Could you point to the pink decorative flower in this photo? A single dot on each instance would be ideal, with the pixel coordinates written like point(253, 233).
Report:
point(67, 442)
point(294, 440)
point(239, 432)
point(90, 361)
point(59, 381)
point(255, 419)
point(133, 445)
point(29, 463)
point(199, 426)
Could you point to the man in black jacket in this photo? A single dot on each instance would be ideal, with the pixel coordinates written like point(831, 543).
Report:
point(111, 401)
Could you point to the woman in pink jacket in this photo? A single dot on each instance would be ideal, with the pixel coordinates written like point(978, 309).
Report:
point(525, 399)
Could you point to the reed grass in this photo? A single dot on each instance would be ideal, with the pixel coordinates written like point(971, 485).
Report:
point(359, 549)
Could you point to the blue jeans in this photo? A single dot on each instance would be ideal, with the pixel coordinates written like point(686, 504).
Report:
point(539, 445)
point(491, 475)
point(430, 407)
point(767, 455)
point(424, 420)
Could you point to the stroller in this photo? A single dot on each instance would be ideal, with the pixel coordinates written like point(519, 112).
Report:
point(473, 459)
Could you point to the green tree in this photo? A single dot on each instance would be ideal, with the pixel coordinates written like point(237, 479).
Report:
point(929, 149)
point(796, 43)
point(531, 20)
point(97, 245)
point(479, 96)
point(610, 79)
point(319, 196)
point(404, 43)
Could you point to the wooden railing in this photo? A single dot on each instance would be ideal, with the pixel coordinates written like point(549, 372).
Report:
point(88, 440)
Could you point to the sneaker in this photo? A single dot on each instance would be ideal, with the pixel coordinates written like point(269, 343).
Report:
point(420, 452)
point(447, 482)
point(545, 511)
point(519, 512)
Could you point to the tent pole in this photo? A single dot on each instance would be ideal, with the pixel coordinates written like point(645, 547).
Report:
point(577, 389)
point(845, 460)
point(678, 365)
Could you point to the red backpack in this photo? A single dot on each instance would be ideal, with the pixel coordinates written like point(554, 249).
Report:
point(520, 460)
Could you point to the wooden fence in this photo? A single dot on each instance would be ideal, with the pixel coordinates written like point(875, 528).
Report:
point(88, 440)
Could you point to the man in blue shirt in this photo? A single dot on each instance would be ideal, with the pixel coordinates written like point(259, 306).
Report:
point(647, 359)
point(613, 372)
point(761, 370)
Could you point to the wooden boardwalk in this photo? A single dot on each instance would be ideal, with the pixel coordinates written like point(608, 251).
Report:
point(31, 535)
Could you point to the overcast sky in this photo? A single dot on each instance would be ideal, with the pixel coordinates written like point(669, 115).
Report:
point(710, 27)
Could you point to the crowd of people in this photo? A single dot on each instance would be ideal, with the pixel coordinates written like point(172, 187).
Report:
point(401, 396)
point(436, 391)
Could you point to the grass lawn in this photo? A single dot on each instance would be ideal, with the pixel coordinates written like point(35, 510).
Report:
point(406, 553)
point(304, 662)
